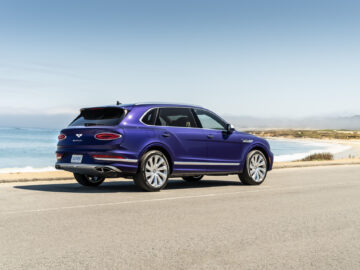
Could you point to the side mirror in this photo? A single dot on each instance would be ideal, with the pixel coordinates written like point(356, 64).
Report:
point(230, 128)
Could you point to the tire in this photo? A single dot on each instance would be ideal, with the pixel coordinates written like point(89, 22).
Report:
point(153, 174)
point(255, 169)
point(193, 178)
point(88, 180)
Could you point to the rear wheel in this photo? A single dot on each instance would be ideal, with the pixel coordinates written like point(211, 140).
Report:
point(255, 169)
point(89, 180)
point(154, 171)
point(193, 178)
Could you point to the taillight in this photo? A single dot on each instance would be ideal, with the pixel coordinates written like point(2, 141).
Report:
point(107, 136)
point(59, 156)
point(61, 137)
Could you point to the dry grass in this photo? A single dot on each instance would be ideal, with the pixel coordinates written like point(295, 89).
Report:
point(318, 157)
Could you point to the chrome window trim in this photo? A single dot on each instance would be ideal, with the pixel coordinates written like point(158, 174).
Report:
point(144, 114)
point(191, 108)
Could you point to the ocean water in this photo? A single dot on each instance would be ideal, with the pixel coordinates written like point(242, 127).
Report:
point(291, 150)
point(24, 149)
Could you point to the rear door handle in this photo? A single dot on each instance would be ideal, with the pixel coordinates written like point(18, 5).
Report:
point(210, 136)
point(166, 134)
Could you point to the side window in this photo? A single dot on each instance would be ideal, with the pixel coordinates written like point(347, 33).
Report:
point(149, 118)
point(175, 117)
point(209, 120)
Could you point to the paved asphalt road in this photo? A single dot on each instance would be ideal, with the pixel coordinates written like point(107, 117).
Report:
point(298, 219)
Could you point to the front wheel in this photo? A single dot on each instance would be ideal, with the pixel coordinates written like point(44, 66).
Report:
point(255, 169)
point(154, 171)
point(89, 180)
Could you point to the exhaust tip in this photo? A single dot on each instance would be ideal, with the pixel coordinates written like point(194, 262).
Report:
point(100, 169)
point(105, 170)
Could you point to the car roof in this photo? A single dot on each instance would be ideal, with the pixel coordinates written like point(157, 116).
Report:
point(146, 104)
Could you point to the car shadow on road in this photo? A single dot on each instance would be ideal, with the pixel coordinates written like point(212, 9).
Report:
point(124, 186)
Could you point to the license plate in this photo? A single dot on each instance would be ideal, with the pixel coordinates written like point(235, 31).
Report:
point(76, 158)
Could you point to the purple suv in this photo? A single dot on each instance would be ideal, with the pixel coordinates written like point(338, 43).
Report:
point(152, 142)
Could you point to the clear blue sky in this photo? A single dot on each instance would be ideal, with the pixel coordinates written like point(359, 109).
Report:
point(260, 58)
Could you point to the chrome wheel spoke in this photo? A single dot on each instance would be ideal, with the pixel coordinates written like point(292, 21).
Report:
point(162, 175)
point(151, 179)
point(163, 168)
point(155, 160)
point(150, 163)
point(262, 170)
point(160, 162)
point(148, 167)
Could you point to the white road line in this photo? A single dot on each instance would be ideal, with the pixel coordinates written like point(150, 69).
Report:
point(262, 189)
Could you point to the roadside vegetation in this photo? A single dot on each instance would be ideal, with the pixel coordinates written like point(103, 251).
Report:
point(318, 157)
point(308, 133)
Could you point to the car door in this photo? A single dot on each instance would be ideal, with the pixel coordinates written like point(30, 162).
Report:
point(223, 148)
point(178, 130)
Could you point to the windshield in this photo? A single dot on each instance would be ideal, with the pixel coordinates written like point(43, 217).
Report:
point(99, 117)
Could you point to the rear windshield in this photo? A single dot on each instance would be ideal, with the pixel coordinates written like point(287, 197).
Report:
point(99, 117)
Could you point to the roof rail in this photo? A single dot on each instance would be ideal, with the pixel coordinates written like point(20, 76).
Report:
point(166, 103)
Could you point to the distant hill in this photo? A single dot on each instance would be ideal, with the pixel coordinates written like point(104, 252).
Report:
point(351, 123)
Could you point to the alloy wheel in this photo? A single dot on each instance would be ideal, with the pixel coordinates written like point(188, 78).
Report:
point(257, 167)
point(156, 171)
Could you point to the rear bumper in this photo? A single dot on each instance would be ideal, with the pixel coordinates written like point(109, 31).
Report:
point(90, 169)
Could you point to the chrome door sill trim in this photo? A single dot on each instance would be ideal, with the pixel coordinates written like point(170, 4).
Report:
point(206, 163)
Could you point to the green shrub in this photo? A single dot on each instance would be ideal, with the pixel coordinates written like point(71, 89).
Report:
point(319, 156)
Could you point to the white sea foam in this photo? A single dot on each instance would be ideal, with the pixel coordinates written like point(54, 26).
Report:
point(324, 147)
point(26, 169)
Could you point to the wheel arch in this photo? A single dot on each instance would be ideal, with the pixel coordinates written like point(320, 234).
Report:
point(262, 150)
point(163, 149)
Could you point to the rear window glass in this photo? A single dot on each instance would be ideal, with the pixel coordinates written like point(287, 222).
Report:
point(99, 117)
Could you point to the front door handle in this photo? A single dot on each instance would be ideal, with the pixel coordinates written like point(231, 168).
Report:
point(166, 134)
point(210, 136)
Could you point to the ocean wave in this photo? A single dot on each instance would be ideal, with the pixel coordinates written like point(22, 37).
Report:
point(26, 169)
point(332, 148)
